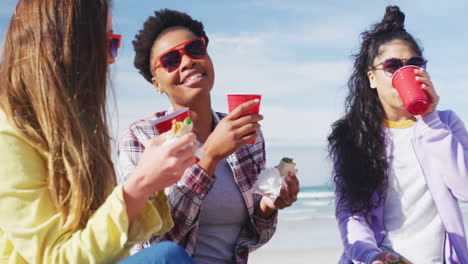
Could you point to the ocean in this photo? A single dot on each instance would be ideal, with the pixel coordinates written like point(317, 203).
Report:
point(318, 202)
point(314, 202)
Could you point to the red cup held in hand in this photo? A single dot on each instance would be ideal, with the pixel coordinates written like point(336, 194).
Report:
point(414, 97)
point(234, 100)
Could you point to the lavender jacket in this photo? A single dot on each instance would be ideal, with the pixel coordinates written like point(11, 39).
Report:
point(441, 145)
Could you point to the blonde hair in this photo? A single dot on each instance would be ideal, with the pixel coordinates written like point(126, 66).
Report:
point(53, 90)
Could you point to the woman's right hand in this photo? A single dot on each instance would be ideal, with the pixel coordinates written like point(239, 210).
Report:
point(231, 133)
point(385, 258)
point(160, 166)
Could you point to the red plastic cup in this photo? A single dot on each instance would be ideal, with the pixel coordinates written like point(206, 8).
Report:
point(414, 97)
point(164, 123)
point(234, 100)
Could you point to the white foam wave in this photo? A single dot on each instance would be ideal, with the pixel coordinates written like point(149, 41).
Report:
point(307, 218)
point(302, 195)
point(317, 203)
point(298, 211)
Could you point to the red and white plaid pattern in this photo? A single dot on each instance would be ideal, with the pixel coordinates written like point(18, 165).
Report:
point(186, 196)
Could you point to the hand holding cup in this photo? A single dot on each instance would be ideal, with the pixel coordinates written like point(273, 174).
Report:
point(232, 132)
point(234, 100)
point(428, 86)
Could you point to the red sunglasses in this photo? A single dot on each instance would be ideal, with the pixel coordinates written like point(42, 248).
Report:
point(390, 66)
point(113, 43)
point(172, 58)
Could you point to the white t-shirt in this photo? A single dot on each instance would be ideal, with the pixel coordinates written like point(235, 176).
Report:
point(413, 226)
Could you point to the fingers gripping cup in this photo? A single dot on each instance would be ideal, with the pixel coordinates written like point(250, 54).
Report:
point(414, 97)
point(234, 100)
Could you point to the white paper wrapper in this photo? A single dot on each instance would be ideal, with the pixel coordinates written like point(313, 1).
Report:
point(270, 180)
point(184, 129)
point(169, 140)
point(172, 138)
point(269, 183)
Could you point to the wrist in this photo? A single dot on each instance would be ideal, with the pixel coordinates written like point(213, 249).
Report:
point(208, 164)
point(209, 155)
point(137, 186)
point(134, 197)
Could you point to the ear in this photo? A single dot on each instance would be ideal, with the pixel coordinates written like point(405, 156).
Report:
point(372, 81)
point(156, 85)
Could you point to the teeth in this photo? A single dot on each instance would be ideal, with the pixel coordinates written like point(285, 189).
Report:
point(192, 77)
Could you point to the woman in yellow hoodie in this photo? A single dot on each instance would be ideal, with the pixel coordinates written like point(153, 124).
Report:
point(59, 202)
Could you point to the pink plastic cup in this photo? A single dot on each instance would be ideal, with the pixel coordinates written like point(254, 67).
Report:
point(164, 123)
point(413, 96)
point(234, 100)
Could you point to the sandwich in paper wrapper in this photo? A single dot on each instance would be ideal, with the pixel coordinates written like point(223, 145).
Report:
point(178, 129)
point(270, 179)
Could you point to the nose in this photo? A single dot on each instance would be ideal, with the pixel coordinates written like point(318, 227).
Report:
point(186, 62)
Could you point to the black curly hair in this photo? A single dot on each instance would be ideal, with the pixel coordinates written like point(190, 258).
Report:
point(357, 143)
point(152, 28)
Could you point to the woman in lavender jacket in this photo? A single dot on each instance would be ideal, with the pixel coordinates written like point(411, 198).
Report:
point(398, 177)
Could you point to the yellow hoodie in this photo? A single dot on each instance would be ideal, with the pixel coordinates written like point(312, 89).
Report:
point(31, 228)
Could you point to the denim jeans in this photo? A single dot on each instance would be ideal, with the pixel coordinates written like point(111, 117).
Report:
point(165, 252)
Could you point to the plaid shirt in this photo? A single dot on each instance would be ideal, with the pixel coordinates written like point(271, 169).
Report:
point(186, 196)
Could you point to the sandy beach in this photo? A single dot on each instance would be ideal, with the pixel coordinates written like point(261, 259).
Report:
point(301, 242)
point(303, 256)
point(305, 241)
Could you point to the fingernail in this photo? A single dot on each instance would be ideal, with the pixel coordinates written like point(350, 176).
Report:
point(256, 100)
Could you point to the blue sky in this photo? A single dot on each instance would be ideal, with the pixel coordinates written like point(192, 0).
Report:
point(295, 53)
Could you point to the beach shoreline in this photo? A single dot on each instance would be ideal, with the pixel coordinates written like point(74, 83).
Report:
point(312, 240)
point(295, 256)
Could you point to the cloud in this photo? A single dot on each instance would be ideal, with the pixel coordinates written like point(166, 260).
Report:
point(297, 126)
point(427, 7)
point(243, 64)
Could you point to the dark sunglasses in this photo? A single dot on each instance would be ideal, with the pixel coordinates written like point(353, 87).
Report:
point(390, 66)
point(172, 58)
point(113, 43)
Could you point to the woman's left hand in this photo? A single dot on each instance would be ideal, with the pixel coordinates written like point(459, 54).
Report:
point(428, 86)
point(288, 195)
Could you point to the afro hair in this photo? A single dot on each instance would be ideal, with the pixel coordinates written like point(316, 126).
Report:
point(152, 28)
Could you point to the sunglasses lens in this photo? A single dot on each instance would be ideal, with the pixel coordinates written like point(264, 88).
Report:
point(195, 49)
point(417, 61)
point(113, 47)
point(171, 60)
point(392, 65)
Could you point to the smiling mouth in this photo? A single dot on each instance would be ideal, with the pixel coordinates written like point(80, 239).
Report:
point(192, 78)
